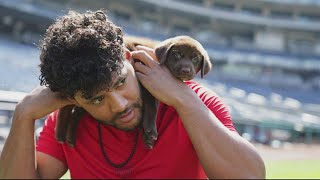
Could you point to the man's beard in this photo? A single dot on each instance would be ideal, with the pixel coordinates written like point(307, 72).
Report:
point(112, 122)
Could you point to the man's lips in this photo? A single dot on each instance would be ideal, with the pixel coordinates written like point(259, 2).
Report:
point(127, 117)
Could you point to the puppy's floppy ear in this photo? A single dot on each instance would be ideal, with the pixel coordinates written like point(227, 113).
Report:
point(162, 50)
point(205, 63)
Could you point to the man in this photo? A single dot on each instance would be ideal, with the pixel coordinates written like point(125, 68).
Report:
point(83, 62)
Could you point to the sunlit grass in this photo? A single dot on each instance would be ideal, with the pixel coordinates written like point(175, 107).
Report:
point(66, 175)
point(293, 169)
point(283, 169)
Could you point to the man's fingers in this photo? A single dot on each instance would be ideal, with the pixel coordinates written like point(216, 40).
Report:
point(139, 67)
point(141, 77)
point(148, 50)
point(144, 57)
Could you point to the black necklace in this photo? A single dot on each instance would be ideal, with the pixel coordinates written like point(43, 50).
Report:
point(105, 154)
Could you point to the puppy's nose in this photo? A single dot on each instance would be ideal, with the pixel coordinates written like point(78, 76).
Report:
point(185, 70)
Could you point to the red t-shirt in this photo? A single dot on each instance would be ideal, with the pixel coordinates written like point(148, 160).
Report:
point(172, 156)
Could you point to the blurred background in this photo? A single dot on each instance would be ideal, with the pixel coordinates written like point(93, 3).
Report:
point(266, 56)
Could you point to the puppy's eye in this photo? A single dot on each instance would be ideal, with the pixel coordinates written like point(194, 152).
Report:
point(177, 55)
point(195, 59)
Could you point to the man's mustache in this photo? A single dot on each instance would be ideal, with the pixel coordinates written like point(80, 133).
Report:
point(135, 105)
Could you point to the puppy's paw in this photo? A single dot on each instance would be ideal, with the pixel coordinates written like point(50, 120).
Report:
point(148, 141)
point(149, 137)
point(60, 140)
point(71, 140)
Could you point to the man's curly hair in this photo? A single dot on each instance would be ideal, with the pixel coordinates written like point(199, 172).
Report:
point(79, 52)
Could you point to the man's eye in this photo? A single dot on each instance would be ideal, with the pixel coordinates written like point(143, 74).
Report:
point(121, 82)
point(98, 100)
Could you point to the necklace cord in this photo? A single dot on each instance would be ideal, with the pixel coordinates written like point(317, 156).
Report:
point(105, 154)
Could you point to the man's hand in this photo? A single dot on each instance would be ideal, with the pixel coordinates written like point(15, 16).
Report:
point(157, 79)
point(40, 102)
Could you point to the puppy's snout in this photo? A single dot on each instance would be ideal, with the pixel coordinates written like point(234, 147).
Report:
point(185, 70)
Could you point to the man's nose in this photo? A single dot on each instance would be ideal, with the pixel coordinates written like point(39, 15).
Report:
point(118, 103)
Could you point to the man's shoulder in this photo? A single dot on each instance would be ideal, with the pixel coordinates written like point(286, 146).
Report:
point(201, 89)
point(193, 84)
point(53, 117)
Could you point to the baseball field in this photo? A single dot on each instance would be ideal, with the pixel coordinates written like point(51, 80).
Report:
point(291, 161)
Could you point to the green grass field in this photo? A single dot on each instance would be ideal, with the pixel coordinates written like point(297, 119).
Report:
point(66, 175)
point(285, 169)
point(293, 169)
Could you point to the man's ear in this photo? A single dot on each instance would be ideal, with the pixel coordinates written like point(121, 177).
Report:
point(74, 101)
point(128, 56)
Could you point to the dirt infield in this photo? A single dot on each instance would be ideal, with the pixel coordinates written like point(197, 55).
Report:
point(290, 151)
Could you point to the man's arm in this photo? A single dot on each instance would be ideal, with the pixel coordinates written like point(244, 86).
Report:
point(18, 158)
point(222, 153)
point(18, 155)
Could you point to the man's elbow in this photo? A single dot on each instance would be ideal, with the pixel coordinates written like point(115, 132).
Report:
point(256, 169)
point(259, 172)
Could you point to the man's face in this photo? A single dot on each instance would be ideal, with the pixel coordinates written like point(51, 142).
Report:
point(121, 105)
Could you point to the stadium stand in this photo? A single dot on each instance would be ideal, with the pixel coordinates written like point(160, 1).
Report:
point(266, 53)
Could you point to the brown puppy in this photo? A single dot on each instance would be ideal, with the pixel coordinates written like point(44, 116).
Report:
point(183, 55)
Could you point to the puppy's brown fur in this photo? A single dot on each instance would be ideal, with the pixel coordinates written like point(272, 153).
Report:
point(183, 55)
point(67, 123)
point(132, 41)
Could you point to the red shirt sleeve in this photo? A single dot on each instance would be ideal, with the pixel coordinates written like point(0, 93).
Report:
point(47, 142)
point(214, 103)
